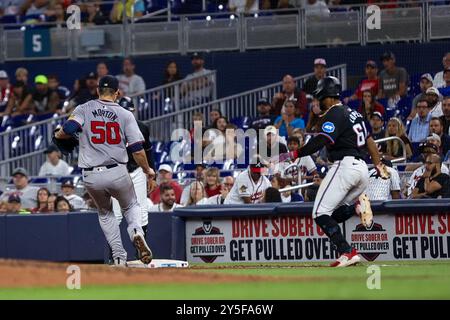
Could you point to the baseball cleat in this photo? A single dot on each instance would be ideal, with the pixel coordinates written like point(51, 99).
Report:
point(144, 252)
point(347, 259)
point(364, 210)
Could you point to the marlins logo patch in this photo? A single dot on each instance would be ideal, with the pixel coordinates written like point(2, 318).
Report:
point(328, 127)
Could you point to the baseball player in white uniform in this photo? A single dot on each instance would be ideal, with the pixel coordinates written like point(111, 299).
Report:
point(106, 132)
point(249, 187)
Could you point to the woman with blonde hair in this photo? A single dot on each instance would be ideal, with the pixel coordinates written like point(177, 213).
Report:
point(393, 148)
point(212, 182)
point(197, 194)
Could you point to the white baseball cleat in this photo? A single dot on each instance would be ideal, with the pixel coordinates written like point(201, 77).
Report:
point(347, 259)
point(144, 252)
point(364, 210)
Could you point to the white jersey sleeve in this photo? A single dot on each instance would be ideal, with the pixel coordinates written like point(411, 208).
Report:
point(308, 163)
point(395, 180)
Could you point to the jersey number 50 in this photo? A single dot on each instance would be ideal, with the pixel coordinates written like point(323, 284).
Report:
point(103, 132)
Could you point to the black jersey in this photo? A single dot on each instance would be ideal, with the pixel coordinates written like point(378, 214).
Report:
point(132, 165)
point(346, 132)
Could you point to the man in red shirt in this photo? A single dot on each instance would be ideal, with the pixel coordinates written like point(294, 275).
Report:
point(371, 83)
point(165, 174)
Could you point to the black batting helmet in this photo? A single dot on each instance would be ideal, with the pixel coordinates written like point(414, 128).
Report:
point(328, 87)
point(127, 103)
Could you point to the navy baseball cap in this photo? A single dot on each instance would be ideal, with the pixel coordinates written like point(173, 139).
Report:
point(197, 55)
point(387, 55)
point(263, 101)
point(109, 82)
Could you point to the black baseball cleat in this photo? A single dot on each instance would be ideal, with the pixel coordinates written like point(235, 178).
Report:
point(144, 252)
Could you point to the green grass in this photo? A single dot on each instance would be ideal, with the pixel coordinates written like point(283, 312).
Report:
point(411, 280)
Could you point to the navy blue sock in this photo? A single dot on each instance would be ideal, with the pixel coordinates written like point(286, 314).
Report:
point(333, 231)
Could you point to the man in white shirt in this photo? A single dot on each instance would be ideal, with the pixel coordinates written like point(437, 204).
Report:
point(438, 81)
point(168, 199)
point(129, 82)
point(241, 6)
point(227, 185)
point(54, 166)
point(250, 186)
point(316, 8)
point(433, 95)
point(68, 191)
point(384, 189)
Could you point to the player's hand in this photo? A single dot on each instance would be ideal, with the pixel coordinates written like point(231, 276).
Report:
point(382, 171)
point(150, 173)
point(282, 157)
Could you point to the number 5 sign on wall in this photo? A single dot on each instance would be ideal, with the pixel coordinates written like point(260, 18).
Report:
point(37, 43)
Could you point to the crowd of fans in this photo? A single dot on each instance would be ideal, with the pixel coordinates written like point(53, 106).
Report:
point(287, 121)
point(100, 12)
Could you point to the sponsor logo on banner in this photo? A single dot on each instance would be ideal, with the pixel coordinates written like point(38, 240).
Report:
point(402, 236)
point(207, 242)
point(258, 239)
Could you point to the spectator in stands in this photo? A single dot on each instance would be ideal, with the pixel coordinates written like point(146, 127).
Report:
point(320, 71)
point(52, 202)
point(14, 205)
point(384, 189)
point(287, 121)
point(289, 196)
point(243, 6)
point(3, 207)
point(369, 105)
point(272, 195)
point(5, 90)
point(34, 7)
point(437, 127)
point(22, 75)
point(311, 191)
point(198, 90)
point(129, 82)
point(102, 69)
point(425, 149)
point(197, 194)
point(290, 93)
point(227, 149)
point(393, 80)
point(316, 9)
point(393, 148)
point(94, 16)
point(433, 183)
point(432, 95)
point(250, 185)
point(20, 102)
point(62, 205)
point(214, 114)
point(54, 166)
point(86, 93)
point(56, 13)
point(165, 176)
point(446, 117)
point(305, 169)
point(314, 117)
point(10, 7)
point(45, 100)
point(420, 125)
point(271, 145)
point(168, 200)
point(197, 119)
point(54, 84)
point(22, 189)
point(43, 196)
point(133, 8)
point(376, 123)
point(445, 90)
point(426, 82)
point(371, 83)
point(439, 81)
point(225, 188)
point(212, 182)
point(68, 191)
point(216, 134)
point(171, 73)
point(264, 117)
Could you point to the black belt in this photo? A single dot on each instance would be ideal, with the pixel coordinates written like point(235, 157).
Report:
point(356, 157)
point(109, 166)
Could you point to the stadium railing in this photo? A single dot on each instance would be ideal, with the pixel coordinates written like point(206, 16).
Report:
point(410, 21)
point(233, 107)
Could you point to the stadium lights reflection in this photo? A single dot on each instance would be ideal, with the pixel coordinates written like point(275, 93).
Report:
point(23, 28)
point(208, 18)
point(37, 143)
point(141, 100)
point(232, 17)
point(220, 7)
point(256, 15)
point(15, 142)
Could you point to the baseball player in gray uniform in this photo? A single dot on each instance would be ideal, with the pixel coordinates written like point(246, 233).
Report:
point(106, 132)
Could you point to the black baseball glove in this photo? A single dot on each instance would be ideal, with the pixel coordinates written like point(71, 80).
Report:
point(66, 146)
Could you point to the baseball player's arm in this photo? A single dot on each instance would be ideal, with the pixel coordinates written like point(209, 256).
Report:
point(68, 130)
point(141, 159)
